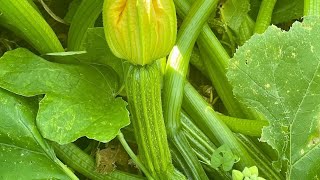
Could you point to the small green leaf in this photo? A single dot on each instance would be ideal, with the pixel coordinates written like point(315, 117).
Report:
point(246, 172)
point(254, 170)
point(224, 157)
point(79, 99)
point(216, 160)
point(24, 154)
point(228, 160)
point(278, 73)
point(237, 175)
point(250, 173)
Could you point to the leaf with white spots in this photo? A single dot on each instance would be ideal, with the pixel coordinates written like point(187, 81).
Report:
point(24, 154)
point(79, 99)
point(278, 73)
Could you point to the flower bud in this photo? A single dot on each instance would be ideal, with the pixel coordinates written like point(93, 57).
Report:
point(140, 31)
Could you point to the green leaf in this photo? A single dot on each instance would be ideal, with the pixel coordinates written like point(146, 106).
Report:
point(216, 160)
point(234, 12)
point(247, 174)
point(24, 154)
point(79, 99)
point(73, 7)
point(278, 73)
point(287, 10)
point(224, 157)
point(97, 46)
point(237, 175)
point(98, 53)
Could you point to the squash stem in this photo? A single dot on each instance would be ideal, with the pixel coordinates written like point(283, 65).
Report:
point(264, 16)
point(143, 85)
point(83, 163)
point(311, 8)
point(22, 18)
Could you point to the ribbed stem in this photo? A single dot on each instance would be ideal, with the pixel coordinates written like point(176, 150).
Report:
point(84, 18)
point(210, 124)
point(143, 85)
point(23, 19)
point(174, 79)
point(311, 8)
point(215, 59)
point(178, 61)
point(74, 157)
point(185, 157)
point(217, 71)
point(268, 171)
point(264, 16)
point(202, 146)
point(244, 126)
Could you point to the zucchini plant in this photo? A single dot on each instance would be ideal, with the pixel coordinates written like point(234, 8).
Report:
point(142, 32)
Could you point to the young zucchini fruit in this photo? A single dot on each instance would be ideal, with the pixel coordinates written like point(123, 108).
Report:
point(141, 32)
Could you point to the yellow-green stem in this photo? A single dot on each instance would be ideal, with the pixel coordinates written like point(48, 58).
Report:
point(311, 8)
point(264, 16)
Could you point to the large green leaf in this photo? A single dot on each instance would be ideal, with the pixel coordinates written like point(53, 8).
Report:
point(79, 99)
point(24, 154)
point(278, 73)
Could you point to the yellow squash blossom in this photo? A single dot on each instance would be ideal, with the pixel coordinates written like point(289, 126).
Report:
point(140, 31)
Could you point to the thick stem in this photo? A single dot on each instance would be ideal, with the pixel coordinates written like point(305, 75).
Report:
point(210, 124)
point(185, 157)
point(143, 85)
point(75, 158)
point(174, 79)
point(243, 126)
point(216, 61)
point(261, 160)
point(264, 16)
point(202, 146)
point(84, 18)
point(178, 61)
point(311, 8)
point(23, 19)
